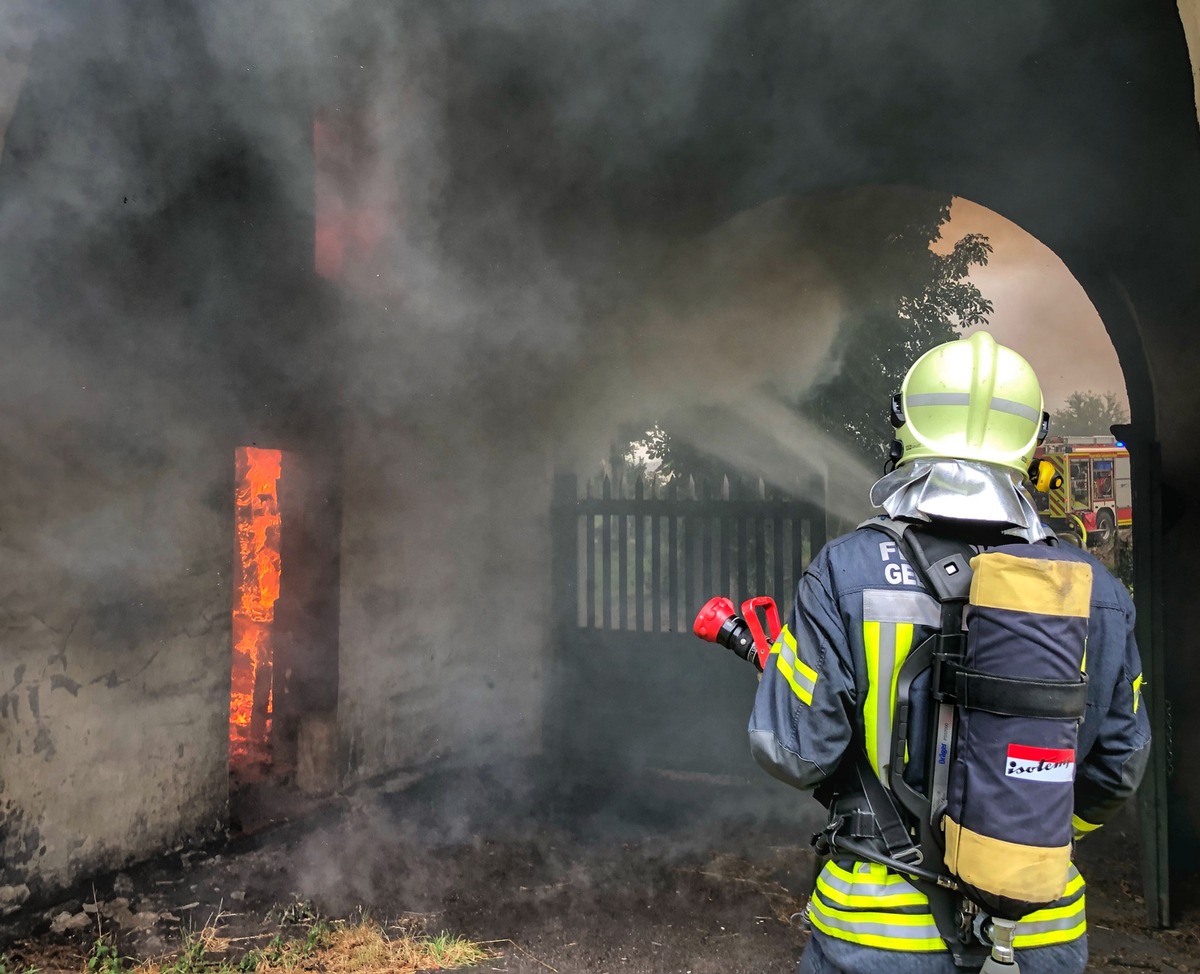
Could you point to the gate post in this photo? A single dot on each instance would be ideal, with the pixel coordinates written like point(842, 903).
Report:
point(564, 588)
point(1145, 468)
point(1155, 792)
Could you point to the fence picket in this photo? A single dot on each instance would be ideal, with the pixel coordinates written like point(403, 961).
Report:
point(743, 559)
point(777, 557)
point(622, 562)
point(760, 556)
point(816, 532)
point(639, 566)
point(798, 561)
point(705, 525)
point(673, 563)
point(590, 584)
point(726, 524)
point(606, 557)
point(656, 584)
point(690, 525)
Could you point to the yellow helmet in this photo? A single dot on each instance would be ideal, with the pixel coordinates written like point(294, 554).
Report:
point(970, 400)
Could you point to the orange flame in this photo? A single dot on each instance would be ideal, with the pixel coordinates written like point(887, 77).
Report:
point(259, 570)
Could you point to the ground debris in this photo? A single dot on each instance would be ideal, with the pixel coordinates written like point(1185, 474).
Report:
point(66, 921)
point(541, 900)
point(331, 947)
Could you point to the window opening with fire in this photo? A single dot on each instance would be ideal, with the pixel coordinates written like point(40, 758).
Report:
point(258, 571)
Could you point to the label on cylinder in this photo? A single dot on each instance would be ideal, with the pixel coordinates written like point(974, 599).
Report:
point(1040, 763)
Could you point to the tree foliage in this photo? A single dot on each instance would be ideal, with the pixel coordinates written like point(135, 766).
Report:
point(1088, 414)
point(880, 344)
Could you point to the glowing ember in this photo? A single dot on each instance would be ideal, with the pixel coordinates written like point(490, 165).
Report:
point(257, 590)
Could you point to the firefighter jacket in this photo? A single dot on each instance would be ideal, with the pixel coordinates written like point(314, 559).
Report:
point(828, 687)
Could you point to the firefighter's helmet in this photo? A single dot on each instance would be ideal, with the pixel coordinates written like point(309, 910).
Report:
point(970, 400)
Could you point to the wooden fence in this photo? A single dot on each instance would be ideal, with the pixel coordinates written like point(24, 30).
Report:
point(643, 556)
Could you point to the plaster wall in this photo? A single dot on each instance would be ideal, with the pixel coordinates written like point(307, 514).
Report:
point(115, 544)
point(445, 597)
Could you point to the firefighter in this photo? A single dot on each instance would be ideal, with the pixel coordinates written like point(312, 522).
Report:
point(968, 419)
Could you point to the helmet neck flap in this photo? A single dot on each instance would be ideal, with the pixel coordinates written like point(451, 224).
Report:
point(959, 490)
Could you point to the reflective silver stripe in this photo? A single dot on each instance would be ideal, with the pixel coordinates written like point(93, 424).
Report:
point(906, 931)
point(938, 399)
point(1032, 929)
point(1068, 900)
point(864, 888)
point(879, 897)
point(1015, 408)
point(885, 668)
point(963, 399)
point(883, 605)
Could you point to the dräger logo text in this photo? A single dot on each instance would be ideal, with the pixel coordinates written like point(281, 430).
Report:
point(1040, 763)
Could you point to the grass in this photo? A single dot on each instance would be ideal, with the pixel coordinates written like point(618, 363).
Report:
point(8, 967)
point(366, 948)
point(359, 947)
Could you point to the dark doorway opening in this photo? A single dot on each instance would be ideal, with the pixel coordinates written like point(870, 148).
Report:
point(283, 741)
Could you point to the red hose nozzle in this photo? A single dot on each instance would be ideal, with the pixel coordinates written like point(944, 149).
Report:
point(718, 622)
point(709, 620)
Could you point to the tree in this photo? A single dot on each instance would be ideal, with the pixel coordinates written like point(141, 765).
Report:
point(1088, 414)
point(884, 340)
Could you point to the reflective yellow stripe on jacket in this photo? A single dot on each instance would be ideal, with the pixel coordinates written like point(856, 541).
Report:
point(865, 904)
point(887, 645)
point(801, 677)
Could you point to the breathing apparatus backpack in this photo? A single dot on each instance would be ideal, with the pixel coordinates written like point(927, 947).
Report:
point(980, 788)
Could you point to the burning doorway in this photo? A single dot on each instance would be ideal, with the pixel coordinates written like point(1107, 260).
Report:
point(284, 666)
point(257, 575)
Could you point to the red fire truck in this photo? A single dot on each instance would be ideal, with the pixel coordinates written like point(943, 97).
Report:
point(1095, 493)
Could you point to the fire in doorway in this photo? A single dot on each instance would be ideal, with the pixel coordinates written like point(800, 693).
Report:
point(257, 569)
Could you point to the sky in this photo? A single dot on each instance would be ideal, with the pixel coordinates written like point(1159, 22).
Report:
point(1040, 309)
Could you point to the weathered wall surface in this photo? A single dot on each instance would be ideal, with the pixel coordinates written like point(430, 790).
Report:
point(114, 555)
point(444, 608)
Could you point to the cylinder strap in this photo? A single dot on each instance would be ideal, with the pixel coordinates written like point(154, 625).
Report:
point(1009, 697)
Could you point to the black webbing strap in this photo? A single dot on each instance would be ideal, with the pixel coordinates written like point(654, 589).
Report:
point(892, 831)
point(1065, 699)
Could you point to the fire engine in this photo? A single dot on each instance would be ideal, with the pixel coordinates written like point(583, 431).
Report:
point(1093, 499)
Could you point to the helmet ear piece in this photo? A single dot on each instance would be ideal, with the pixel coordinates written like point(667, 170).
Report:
point(897, 412)
point(1043, 428)
point(895, 453)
